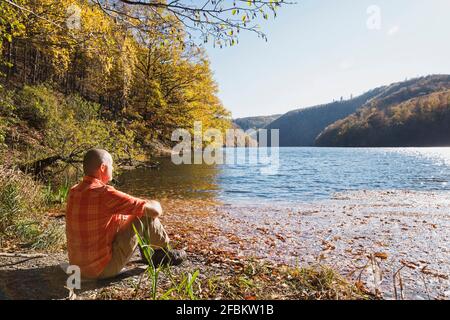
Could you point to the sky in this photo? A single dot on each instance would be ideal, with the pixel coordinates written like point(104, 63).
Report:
point(320, 50)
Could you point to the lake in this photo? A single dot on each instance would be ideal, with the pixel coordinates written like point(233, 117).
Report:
point(341, 207)
point(303, 174)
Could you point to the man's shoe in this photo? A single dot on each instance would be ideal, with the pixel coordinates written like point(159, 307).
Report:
point(168, 257)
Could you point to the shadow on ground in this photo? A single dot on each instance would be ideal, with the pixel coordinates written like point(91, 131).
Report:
point(47, 282)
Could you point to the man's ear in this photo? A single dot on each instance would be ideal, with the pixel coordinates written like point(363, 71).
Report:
point(103, 167)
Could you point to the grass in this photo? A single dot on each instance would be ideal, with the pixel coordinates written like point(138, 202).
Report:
point(181, 286)
point(10, 205)
point(23, 206)
point(20, 197)
point(58, 196)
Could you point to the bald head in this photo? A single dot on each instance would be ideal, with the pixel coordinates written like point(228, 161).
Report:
point(93, 160)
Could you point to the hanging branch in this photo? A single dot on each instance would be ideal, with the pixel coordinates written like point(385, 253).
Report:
point(219, 21)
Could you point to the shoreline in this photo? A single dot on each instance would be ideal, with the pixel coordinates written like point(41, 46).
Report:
point(369, 238)
point(372, 236)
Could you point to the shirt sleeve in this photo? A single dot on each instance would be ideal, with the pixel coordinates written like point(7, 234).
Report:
point(117, 202)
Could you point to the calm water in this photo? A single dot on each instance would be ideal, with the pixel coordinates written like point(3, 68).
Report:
point(303, 174)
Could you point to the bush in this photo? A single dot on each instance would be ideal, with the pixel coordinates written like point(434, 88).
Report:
point(19, 195)
point(22, 203)
point(6, 110)
point(84, 110)
point(2, 133)
point(7, 107)
point(63, 125)
point(37, 105)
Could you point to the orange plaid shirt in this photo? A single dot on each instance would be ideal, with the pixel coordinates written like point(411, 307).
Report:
point(95, 213)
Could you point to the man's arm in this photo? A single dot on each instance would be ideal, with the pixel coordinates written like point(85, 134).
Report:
point(121, 203)
point(153, 209)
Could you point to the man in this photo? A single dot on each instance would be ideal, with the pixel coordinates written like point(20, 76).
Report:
point(100, 220)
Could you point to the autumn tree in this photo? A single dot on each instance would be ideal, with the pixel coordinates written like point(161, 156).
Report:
point(141, 62)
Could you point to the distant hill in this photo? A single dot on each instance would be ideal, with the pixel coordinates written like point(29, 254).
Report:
point(241, 139)
point(410, 113)
point(301, 127)
point(255, 122)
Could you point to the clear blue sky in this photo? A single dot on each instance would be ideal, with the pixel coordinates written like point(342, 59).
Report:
point(320, 50)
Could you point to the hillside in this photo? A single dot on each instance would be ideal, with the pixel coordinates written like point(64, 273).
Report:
point(241, 139)
point(410, 113)
point(255, 122)
point(301, 127)
point(57, 103)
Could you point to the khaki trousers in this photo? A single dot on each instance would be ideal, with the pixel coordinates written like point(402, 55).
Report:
point(126, 242)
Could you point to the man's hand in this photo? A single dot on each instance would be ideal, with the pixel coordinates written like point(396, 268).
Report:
point(153, 209)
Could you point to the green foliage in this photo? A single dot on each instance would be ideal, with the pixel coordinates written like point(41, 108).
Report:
point(181, 287)
point(19, 194)
point(38, 106)
point(2, 133)
point(52, 237)
point(58, 196)
point(152, 270)
point(27, 230)
point(11, 205)
point(68, 125)
point(7, 107)
point(6, 111)
point(82, 109)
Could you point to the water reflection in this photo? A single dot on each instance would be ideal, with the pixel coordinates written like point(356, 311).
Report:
point(174, 181)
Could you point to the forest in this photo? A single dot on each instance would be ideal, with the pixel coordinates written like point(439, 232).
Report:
point(104, 80)
point(120, 75)
point(413, 113)
point(407, 113)
point(300, 127)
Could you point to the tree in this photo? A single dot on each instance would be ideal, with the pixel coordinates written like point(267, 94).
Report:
point(145, 80)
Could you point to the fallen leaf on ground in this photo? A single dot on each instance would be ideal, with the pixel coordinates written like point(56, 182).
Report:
point(381, 255)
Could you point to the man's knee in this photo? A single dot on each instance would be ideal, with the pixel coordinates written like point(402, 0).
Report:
point(142, 223)
point(151, 225)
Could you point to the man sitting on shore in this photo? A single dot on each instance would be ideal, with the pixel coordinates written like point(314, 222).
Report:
point(100, 219)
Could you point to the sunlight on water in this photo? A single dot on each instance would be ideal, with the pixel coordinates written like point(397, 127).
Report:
point(439, 156)
point(302, 174)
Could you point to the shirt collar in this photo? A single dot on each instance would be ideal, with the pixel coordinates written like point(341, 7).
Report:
point(92, 180)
